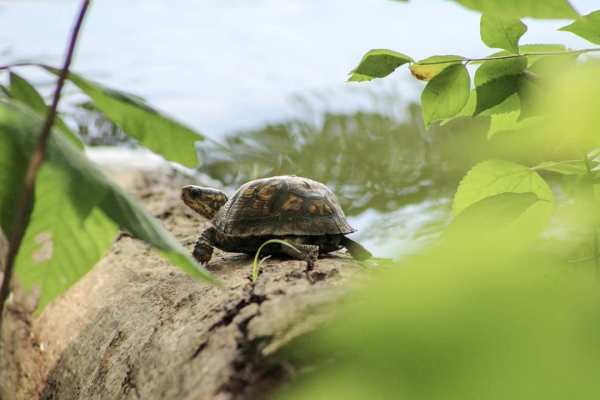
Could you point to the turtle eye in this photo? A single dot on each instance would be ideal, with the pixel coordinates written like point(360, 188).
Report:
point(195, 193)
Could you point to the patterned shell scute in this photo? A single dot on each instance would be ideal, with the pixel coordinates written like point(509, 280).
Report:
point(282, 205)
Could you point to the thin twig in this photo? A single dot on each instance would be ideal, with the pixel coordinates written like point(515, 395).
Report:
point(24, 204)
point(508, 56)
point(20, 64)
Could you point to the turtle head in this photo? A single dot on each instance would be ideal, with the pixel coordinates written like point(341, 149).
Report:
point(205, 201)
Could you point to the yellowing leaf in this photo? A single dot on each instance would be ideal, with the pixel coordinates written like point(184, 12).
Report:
point(429, 67)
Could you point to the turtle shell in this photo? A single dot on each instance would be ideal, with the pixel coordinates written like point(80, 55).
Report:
point(282, 205)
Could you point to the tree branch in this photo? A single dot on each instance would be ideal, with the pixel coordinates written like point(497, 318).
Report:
point(23, 206)
point(509, 56)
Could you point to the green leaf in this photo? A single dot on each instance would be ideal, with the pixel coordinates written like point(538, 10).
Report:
point(496, 91)
point(60, 246)
point(429, 67)
point(493, 69)
point(496, 81)
point(467, 111)
point(446, 94)
point(493, 177)
point(378, 63)
point(505, 117)
point(137, 119)
point(359, 78)
point(530, 92)
point(569, 167)
point(544, 9)
point(76, 210)
point(587, 27)
point(13, 165)
point(23, 91)
point(502, 33)
point(542, 48)
point(498, 211)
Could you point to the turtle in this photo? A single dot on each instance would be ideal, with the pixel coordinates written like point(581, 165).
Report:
point(300, 211)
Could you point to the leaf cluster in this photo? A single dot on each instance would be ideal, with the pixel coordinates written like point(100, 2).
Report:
point(77, 211)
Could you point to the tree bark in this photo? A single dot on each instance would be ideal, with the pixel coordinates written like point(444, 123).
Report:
point(137, 328)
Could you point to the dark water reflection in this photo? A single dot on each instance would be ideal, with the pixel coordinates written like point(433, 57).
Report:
point(392, 177)
point(371, 160)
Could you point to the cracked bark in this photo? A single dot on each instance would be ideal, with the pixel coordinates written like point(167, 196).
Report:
point(137, 328)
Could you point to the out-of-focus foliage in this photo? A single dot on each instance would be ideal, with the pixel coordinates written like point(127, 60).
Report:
point(506, 304)
point(485, 320)
point(76, 210)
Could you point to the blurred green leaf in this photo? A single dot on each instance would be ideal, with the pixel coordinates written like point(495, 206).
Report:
point(499, 212)
point(544, 9)
point(571, 110)
point(504, 117)
point(446, 94)
point(569, 167)
point(587, 27)
point(494, 177)
point(137, 119)
point(24, 92)
point(13, 165)
point(378, 63)
point(502, 33)
point(530, 90)
point(75, 213)
point(430, 67)
point(474, 322)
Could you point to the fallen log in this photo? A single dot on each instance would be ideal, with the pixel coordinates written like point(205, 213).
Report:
point(136, 327)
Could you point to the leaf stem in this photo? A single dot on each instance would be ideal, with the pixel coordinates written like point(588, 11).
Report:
point(255, 264)
point(23, 211)
point(509, 56)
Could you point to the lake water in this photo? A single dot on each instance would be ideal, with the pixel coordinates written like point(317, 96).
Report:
point(223, 65)
point(228, 65)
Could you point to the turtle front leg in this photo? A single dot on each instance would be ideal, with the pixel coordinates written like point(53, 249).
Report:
point(203, 249)
point(301, 251)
